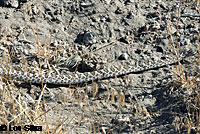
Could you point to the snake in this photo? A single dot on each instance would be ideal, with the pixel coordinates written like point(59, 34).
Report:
point(77, 77)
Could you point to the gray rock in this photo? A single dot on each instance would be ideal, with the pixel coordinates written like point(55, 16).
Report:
point(89, 38)
point(11, 3)
point(123, 56)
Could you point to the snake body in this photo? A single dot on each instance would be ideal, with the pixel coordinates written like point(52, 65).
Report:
point(75, 78)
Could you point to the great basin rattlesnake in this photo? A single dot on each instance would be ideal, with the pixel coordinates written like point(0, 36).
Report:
point(53, 78)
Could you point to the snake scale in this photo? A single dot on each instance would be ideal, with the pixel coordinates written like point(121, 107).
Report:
point(75, 78)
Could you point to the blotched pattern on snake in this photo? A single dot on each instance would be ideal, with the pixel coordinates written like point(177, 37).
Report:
point(53, 78)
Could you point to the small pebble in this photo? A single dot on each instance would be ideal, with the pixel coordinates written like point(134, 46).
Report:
point(11, 3)
point(148, 52)
point(104, 40)
point(44, 66)
point(7, 16)
point(120, 11)
point(138, 51)
point(89, 38)
point(159, 49)
point(123, 56)
point(86, 5)
point(26, 52)
point(153, 15)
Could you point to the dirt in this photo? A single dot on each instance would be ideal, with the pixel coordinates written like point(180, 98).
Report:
point(97, 33)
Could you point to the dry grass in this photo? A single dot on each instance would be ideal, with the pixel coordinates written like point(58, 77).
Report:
point(18, 109)
point(190, 98)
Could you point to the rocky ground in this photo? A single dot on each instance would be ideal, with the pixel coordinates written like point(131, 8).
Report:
point(93, 35)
